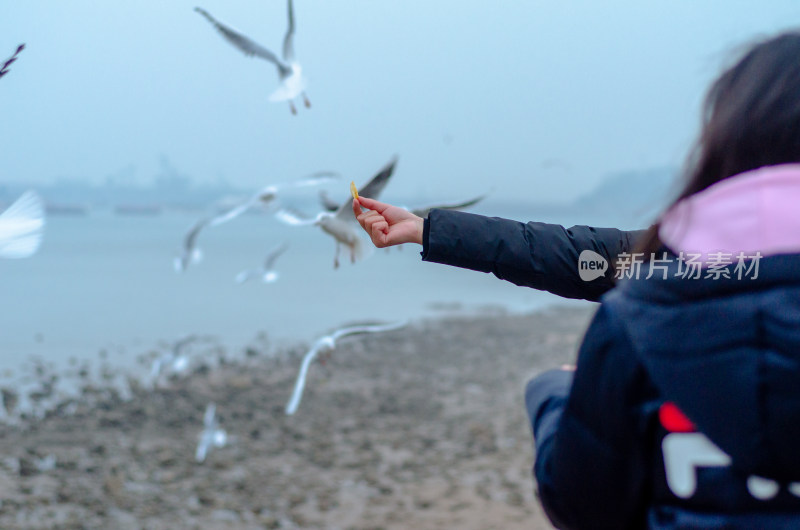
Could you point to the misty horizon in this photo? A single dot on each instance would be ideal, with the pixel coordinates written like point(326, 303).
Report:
point(538, 99)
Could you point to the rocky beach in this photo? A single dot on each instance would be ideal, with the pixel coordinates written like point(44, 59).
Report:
point(422, 427)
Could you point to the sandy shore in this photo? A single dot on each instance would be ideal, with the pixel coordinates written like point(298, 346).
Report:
point(419, 428)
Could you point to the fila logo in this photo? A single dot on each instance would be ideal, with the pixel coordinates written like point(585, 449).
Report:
point(685, 450)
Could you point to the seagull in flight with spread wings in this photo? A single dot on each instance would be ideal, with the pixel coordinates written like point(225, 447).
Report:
point(265, 197)
point(325, 345)
point(341, 224)
point(21, 226)
point(290, 73)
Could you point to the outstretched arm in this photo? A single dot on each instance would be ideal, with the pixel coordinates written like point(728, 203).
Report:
point(538, 255)
point(388, 225)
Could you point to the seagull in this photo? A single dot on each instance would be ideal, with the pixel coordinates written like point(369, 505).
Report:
point(341, 224)
point(264, 197)
point(211, 436)
point(290, 73)
point(266, 272)
point(325, 345)
point(173, 362)
point(21, 226)
point(4, 68)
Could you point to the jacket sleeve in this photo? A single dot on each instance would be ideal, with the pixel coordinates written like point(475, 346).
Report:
point(591, 466)
point(538, 255)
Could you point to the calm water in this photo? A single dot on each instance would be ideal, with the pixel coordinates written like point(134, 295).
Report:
point(106, 282)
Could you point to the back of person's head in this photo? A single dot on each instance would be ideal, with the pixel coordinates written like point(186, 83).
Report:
point(751, 119)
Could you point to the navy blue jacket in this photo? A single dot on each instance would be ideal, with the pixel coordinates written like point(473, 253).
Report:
point(538, 255)
point(684, 411)
point(726, 352)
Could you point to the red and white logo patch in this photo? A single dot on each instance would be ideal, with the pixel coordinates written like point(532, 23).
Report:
point(685, 450)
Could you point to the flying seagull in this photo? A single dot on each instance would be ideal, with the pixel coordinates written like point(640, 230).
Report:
point(264, 197)
point(292, 82)
point(4, 68)
point(341, 224)
point(325, 345)
point(173, 362)
point(211, 436)
point(21, 226)
point(267, 271)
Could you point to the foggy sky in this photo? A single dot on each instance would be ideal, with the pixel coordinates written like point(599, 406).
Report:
point(536, 99)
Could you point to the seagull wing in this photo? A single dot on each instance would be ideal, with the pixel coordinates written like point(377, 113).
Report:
point(371, 189)
point(274, 254)
point(155, 368)
point(202, 449)
point(209, 417)
point(425, 210)
point(4, 68)
point(21, 226)
point(190, 252)
point(183, 342)
point(300, 383)
point(288, 45)
point(248, 46)
point(190, 241)
point(294, 218)
point(247, 275)
point(234, 212)
point(328, 204)
point(367, 328)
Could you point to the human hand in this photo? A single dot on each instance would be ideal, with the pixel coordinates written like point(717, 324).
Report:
point(387, 225)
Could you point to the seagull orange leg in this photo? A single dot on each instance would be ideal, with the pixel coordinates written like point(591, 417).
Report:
point(306, 101)
point(291, 107)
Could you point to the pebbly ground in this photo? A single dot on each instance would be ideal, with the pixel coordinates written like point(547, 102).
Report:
point(422, 428)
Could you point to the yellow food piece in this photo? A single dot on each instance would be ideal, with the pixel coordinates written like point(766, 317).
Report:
point(354, 190)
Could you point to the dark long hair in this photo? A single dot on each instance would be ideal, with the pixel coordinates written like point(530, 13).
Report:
point(751, 118)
